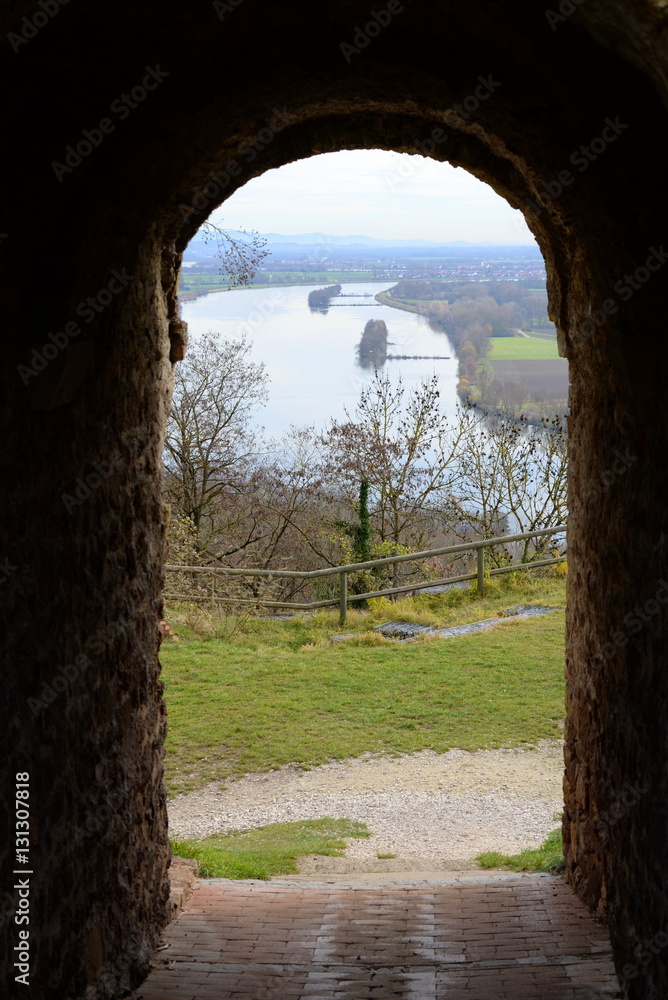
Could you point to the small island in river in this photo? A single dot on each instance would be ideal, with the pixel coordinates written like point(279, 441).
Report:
point(374, 343)
point(319, 297)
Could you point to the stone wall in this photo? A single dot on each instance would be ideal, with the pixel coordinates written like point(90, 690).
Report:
point(220, 100)
point(83, 534)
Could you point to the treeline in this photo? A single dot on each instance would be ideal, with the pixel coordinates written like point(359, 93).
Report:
point(239, 500)
point(471, 313)
point(319, 297)
point(476, 311)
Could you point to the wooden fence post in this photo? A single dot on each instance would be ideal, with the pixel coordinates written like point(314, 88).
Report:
point(481, 571)
point(343, 597)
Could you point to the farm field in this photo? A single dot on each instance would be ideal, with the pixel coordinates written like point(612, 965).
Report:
point(523, 349)
point(543, 380)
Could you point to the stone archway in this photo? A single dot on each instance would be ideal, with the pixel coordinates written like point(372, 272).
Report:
point(98, 203)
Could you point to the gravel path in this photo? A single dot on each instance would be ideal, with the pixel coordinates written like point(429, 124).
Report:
point(433, 811)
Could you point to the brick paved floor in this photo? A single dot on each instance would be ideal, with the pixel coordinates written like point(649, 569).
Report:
point(497, 937)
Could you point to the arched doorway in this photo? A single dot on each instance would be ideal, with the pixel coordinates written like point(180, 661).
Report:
point(214, 96)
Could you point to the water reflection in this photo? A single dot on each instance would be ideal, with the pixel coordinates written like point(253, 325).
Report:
point(311, 356)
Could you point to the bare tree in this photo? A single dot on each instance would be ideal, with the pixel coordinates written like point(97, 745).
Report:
point(210, 442)
point(403, 446)
point(513, 477)
point(283, 517)
point(536, 475)
point(240, 254)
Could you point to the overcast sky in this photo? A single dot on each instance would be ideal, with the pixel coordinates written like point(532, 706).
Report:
point(374, 193)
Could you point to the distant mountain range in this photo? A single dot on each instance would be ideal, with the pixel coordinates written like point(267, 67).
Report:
point(351, 241)
point(199, 249)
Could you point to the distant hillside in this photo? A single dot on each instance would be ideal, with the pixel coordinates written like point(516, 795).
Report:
point(348, 241)
point(198, 249)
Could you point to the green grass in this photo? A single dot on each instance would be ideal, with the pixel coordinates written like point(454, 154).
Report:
point(546, 858)
point(385, 857)
point(522, 349)
point(256, 695)
point(536, 335)
point(268, 850)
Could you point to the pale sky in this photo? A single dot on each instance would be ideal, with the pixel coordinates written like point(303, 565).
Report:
point(374, 193)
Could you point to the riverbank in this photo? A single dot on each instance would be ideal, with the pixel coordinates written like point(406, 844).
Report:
point(311, 355)
point(190, 296)
point(513, 365)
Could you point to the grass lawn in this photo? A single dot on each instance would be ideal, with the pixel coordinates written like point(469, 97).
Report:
point(522, 349)
point(548, 857)
point(268, 850)
point(255, 695)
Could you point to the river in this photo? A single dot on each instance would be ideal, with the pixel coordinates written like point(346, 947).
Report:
point(310, 356)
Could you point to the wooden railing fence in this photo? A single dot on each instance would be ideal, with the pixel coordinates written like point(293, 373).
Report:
point(344, 598)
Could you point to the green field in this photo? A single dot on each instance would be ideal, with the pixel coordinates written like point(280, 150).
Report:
point(522, 349)
point(272, 693)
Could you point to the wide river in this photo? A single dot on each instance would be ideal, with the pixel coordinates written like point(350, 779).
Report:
point(310, 356)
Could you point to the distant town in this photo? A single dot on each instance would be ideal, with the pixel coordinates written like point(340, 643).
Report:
point(318, 258)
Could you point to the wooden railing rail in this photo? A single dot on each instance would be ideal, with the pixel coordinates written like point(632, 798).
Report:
point(344, 598)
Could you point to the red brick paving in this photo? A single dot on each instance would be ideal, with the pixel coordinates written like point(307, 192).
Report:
point(519, 937)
